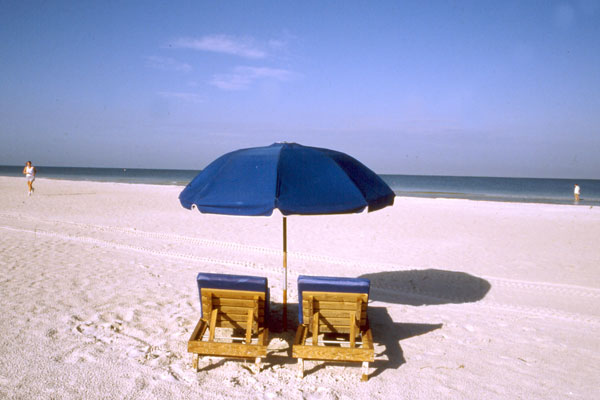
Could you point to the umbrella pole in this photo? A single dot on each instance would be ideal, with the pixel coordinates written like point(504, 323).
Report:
point(284, 273)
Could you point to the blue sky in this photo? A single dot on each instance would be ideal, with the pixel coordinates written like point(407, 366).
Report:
point(483, 88)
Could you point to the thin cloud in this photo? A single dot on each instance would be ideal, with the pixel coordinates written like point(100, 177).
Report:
point(243, 77)
point(277, 44)
point(230, 81)
point(242, 47)
point(265, 72)
point(167, 64)
point(184, 96)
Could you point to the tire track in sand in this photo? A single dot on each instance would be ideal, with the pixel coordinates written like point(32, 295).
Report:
point(572, 290)
point(390, 287)
point(141, 249)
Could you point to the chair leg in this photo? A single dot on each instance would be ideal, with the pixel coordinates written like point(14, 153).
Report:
point(300, 368)
point(257, 365)
point(195, 358)
point(365, 371)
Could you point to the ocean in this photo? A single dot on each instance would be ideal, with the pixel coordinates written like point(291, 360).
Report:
point(527, 190)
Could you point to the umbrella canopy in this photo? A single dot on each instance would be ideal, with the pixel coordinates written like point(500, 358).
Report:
point(293, 178)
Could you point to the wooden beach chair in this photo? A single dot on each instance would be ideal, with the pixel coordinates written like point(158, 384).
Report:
point(336, 306)
point(231, 301)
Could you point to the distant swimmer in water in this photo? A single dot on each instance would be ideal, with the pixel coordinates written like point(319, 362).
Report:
point(576, 192)
point(29, 171)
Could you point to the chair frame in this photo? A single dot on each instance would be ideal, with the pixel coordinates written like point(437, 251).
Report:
point(237, 309)
point(337, 313)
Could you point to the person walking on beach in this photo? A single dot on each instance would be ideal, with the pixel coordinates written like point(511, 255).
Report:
point(576, 192)
point(29, 171)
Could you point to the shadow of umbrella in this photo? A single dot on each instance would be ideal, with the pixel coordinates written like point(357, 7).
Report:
point(426, 287)
point(415, 288)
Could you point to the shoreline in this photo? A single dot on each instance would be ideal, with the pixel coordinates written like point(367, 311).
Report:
point(398, 193)
point(496, 198)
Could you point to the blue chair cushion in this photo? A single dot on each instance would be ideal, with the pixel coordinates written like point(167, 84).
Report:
point(329, 284)
point(234, 282)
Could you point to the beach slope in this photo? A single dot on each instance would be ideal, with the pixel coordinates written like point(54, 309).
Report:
point(469, 299)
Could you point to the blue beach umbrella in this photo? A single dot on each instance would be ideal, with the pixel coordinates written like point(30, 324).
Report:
point(295, 179)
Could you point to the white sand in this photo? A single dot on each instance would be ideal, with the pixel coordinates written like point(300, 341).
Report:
point(470, 300)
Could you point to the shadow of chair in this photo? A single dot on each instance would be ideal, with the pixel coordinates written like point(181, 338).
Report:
point(388, 334)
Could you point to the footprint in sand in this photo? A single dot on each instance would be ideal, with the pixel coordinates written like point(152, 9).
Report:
point(128, 315)
point(51, 333)
point(78, 355)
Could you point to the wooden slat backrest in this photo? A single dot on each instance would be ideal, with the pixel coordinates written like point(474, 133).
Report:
point(334, 309)
point(233, 306)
